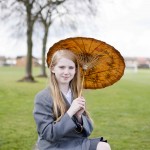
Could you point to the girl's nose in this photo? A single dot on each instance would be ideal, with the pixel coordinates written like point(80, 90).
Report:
point(66, 71)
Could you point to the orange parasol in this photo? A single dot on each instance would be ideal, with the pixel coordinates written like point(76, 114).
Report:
point(101, 64)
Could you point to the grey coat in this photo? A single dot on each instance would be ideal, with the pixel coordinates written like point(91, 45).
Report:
point(60, 135)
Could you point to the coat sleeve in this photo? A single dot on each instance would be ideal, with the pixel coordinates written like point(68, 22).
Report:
point(87, 125)
point(44, 119)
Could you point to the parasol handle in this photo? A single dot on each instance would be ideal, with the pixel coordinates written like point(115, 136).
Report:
point(80, 93)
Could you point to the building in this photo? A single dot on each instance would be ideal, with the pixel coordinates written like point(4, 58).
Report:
point(137, 62)
point(21, 61)
point(9, 61)
point(2, 60)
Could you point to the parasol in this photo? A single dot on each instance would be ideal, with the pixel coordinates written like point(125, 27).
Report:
point(101, 64)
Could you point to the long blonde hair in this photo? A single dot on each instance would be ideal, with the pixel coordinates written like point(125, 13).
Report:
point(59, 105)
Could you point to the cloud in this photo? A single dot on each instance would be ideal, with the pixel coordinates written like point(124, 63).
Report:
point(124, 24)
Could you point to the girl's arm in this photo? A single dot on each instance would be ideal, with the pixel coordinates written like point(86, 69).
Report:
point(44, 119)
point(87, 125)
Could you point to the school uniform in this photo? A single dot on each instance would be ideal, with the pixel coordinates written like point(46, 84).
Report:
point(63, 134)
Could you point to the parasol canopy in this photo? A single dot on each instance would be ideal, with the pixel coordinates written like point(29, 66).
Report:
point(101, 64)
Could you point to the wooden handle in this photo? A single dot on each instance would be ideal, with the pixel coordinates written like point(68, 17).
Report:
point(82, 83)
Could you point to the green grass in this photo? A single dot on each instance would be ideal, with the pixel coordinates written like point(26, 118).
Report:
point(120, 112)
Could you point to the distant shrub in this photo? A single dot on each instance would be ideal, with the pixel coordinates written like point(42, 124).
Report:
point(143, 66)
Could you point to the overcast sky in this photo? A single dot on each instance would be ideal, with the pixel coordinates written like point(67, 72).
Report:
point(124, 24)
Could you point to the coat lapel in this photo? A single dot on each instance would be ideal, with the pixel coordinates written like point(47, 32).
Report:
point(67, 103)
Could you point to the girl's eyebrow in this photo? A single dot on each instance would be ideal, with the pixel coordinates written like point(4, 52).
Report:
point(65, 65)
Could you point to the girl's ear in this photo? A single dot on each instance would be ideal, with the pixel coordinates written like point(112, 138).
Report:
point(52, 69)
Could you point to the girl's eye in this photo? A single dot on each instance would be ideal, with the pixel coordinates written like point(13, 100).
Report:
point(71, 67)
point(62, 67)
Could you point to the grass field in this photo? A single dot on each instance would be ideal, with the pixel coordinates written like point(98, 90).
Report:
point(121, 113)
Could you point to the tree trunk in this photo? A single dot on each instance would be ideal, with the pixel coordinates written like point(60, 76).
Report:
point(43, 69)
point(28, 77)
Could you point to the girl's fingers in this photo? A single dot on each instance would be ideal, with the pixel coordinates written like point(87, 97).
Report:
point(81, 103)
point(81, 100)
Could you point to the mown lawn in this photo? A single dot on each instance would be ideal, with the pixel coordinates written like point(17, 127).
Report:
point(120, 112)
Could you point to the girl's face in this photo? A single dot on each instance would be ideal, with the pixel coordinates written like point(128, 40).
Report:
point(64, 71)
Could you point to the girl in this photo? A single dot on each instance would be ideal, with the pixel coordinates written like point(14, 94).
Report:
point(60, 115)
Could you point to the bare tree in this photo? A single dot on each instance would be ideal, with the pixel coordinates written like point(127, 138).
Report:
point(31, 9)
point(46, 23)
point(45, 18)
point(53, 12)
point(28, 11)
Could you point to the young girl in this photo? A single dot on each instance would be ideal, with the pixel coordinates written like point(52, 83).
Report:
point(60, 115)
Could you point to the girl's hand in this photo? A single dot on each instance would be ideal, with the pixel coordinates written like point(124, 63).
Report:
point(77, 107)
point(80, 112)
